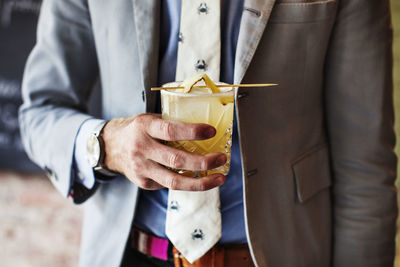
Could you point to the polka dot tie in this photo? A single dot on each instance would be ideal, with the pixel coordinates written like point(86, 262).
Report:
point(193, 218)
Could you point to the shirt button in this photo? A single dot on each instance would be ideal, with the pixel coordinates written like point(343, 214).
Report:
point(143, 96)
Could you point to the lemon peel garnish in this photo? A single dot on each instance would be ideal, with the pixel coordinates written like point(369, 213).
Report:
point(192, 81)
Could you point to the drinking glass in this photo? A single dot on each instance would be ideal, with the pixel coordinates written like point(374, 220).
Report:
point(202, 106)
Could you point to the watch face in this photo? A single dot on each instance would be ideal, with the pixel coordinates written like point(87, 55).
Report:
point(93, 150)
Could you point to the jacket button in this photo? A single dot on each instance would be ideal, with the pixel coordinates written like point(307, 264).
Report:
point(242, 95)
point(50, 173)
point(143, 96)
point(252, 172)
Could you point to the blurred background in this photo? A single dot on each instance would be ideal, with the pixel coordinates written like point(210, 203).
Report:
point(38, 227)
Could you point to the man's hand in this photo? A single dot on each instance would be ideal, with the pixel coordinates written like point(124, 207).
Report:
point(133, 149)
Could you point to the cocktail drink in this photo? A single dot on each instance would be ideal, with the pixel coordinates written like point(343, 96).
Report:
point(202, 105)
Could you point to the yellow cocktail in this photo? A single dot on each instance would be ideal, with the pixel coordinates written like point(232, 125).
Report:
point(201, 105)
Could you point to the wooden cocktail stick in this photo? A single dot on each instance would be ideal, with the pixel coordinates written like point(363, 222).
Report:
point(220, 85)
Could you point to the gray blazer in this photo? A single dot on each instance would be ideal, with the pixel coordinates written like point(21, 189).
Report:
point(318, 161)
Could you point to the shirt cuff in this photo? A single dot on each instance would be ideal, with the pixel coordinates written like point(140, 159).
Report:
point(85, 174)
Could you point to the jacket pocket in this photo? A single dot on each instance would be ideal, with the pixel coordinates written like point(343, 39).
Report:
point(293, 11)
point(311, 173)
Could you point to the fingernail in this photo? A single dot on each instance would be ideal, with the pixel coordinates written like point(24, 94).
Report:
point(210, 132)
point(221, 160)
point(220, 180)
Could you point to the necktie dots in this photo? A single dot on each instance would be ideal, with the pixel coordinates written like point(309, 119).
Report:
point(202, 9)
point(173, 205)
point(197, 234)
point(180, 37)
point(200, 65)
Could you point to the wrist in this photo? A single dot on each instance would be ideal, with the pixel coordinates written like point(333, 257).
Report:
point(96, 153)
point(112, 144)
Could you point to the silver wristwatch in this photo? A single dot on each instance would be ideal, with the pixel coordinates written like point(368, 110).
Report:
point(95, 152)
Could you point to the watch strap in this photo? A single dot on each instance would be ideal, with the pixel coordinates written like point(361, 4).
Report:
point(104, 171)
point(100, 171)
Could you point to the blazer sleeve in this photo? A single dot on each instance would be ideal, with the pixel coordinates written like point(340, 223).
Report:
point(359, 110)
point(58, 78)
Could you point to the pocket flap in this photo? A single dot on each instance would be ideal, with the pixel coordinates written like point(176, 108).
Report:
point(303, 12)
point(312, 173)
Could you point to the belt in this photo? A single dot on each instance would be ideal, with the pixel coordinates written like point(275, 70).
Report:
point(217, 256)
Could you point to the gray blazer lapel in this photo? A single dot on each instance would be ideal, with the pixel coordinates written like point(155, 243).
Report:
point(254, 19)
point(147, 24)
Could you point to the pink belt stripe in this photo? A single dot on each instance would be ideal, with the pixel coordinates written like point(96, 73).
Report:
point(150, 245)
